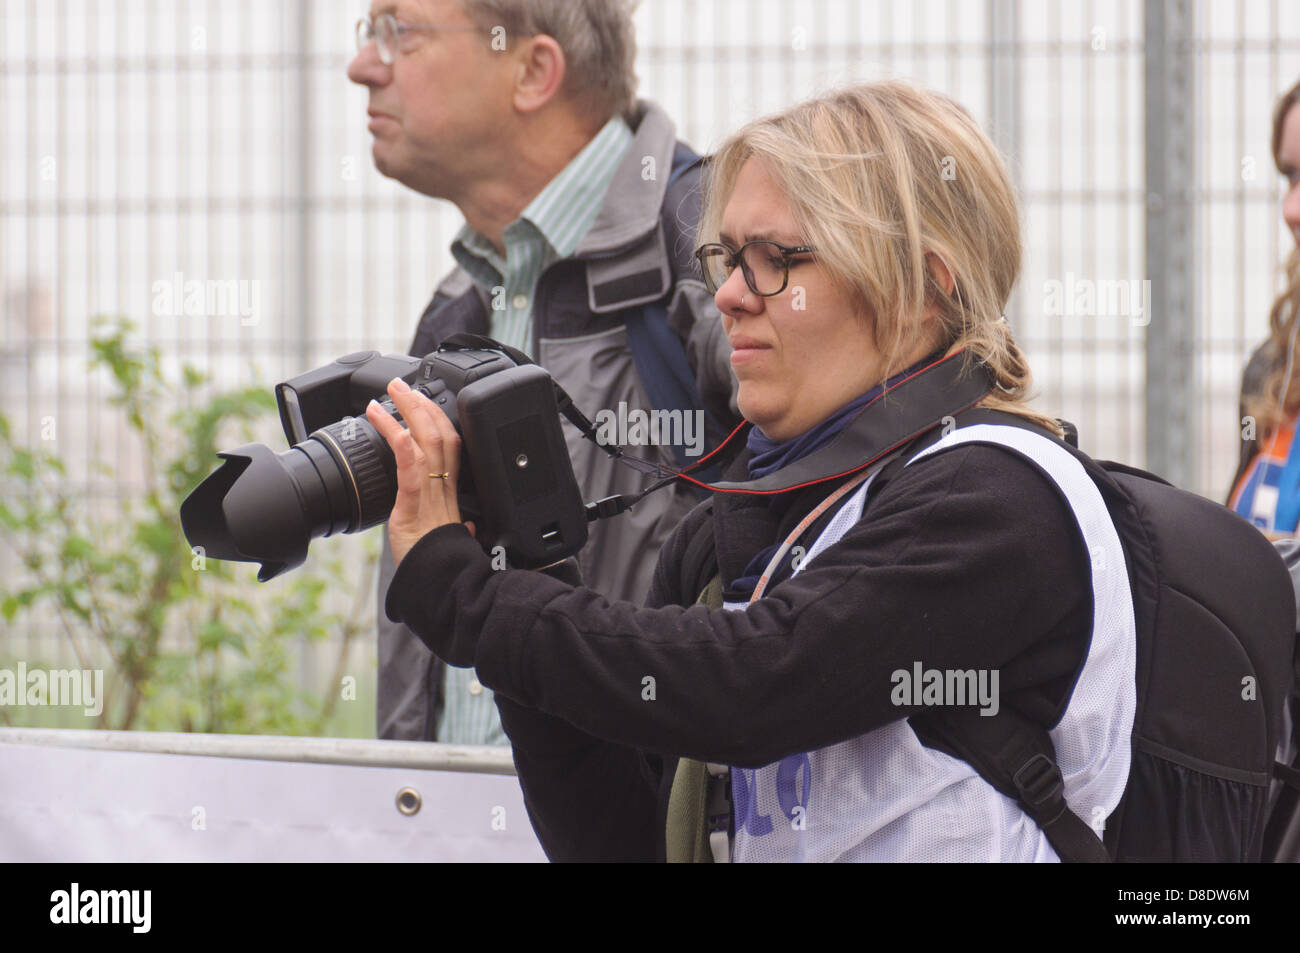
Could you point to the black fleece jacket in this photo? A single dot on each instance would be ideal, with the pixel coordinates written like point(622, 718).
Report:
point(965, 559)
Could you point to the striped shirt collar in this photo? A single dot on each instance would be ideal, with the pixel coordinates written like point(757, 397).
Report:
point(563, 211)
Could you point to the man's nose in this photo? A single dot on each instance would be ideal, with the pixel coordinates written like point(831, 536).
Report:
point(367, 69)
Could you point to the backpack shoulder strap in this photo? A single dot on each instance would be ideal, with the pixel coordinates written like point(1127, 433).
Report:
point(1017, 758)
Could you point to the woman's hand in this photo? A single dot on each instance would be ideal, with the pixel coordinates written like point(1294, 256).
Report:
point(427, 451)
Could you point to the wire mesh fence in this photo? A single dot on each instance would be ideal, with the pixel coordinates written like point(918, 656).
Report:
point(152, 148)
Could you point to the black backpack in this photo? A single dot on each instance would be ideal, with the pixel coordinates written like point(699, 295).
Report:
point(1216, 673)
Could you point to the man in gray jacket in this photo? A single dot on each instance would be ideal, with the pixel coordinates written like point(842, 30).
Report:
point(580, 211)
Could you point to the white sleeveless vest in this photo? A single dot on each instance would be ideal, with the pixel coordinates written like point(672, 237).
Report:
point(884, 796)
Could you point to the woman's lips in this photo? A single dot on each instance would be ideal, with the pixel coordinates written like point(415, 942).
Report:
point(744, 350)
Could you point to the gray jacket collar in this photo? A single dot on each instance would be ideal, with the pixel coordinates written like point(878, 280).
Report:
point(636, 193)
point(625, 249)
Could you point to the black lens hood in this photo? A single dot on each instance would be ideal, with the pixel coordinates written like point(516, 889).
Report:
point(250, 510)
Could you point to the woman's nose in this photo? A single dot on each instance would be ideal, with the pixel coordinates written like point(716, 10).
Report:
point(734, 295)
point(1290, 211)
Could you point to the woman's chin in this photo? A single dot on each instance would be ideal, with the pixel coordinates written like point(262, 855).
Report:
point(764, 418)
point(751, 407)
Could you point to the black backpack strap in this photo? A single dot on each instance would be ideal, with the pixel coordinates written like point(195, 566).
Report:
point(1282, 832)
point(1017, 758)
point(1287, 775)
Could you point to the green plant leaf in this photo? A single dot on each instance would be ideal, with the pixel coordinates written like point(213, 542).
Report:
point(22, 464)
point(77, 548)
point(213, 635)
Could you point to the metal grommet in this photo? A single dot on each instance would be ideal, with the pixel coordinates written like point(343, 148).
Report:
point(409, 801)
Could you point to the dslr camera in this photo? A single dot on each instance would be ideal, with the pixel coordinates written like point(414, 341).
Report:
point(339, 475)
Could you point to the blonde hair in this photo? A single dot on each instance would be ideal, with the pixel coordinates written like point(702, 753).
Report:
point(879, 176)
point(1268, 407)
point(597, 37)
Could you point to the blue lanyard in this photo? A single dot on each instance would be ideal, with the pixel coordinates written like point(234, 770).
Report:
point(1288, 490)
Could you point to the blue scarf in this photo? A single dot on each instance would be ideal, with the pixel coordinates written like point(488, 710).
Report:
point(768, 456)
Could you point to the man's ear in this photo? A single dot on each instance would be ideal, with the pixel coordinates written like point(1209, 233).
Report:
point(540, 72)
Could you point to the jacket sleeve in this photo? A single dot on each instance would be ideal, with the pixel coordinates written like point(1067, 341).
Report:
point(409, 680)
point(590, 799)
point(967, 560)
point(587, 799)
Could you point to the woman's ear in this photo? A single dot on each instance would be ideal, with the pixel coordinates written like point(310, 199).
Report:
point(942, 277)
point(940, 272)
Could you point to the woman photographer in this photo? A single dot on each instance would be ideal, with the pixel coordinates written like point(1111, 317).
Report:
point(1266, 488)
point(852, 242)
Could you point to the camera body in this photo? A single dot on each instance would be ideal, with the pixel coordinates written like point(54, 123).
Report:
point(339, 475)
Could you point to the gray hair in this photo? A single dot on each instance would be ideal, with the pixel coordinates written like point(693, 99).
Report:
point(597, 37)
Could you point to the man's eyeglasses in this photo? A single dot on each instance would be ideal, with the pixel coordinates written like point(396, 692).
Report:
point(387, 32)
point(765, 264)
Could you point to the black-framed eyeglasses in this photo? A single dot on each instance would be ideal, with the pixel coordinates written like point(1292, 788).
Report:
point(387, 31)
point(765, 264)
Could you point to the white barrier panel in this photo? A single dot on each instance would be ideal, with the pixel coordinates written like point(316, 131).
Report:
point(64, 802)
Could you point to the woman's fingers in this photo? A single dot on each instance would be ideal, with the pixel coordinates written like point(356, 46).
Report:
point(399, 439)
point(427, 447)
point(450, 439)
point(437, 448)
point(449, 448)
point(411, 477)
point(383, 421)
point(415, 412)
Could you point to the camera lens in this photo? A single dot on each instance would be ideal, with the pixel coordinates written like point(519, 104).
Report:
point(365, 462)
point(265, 507)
